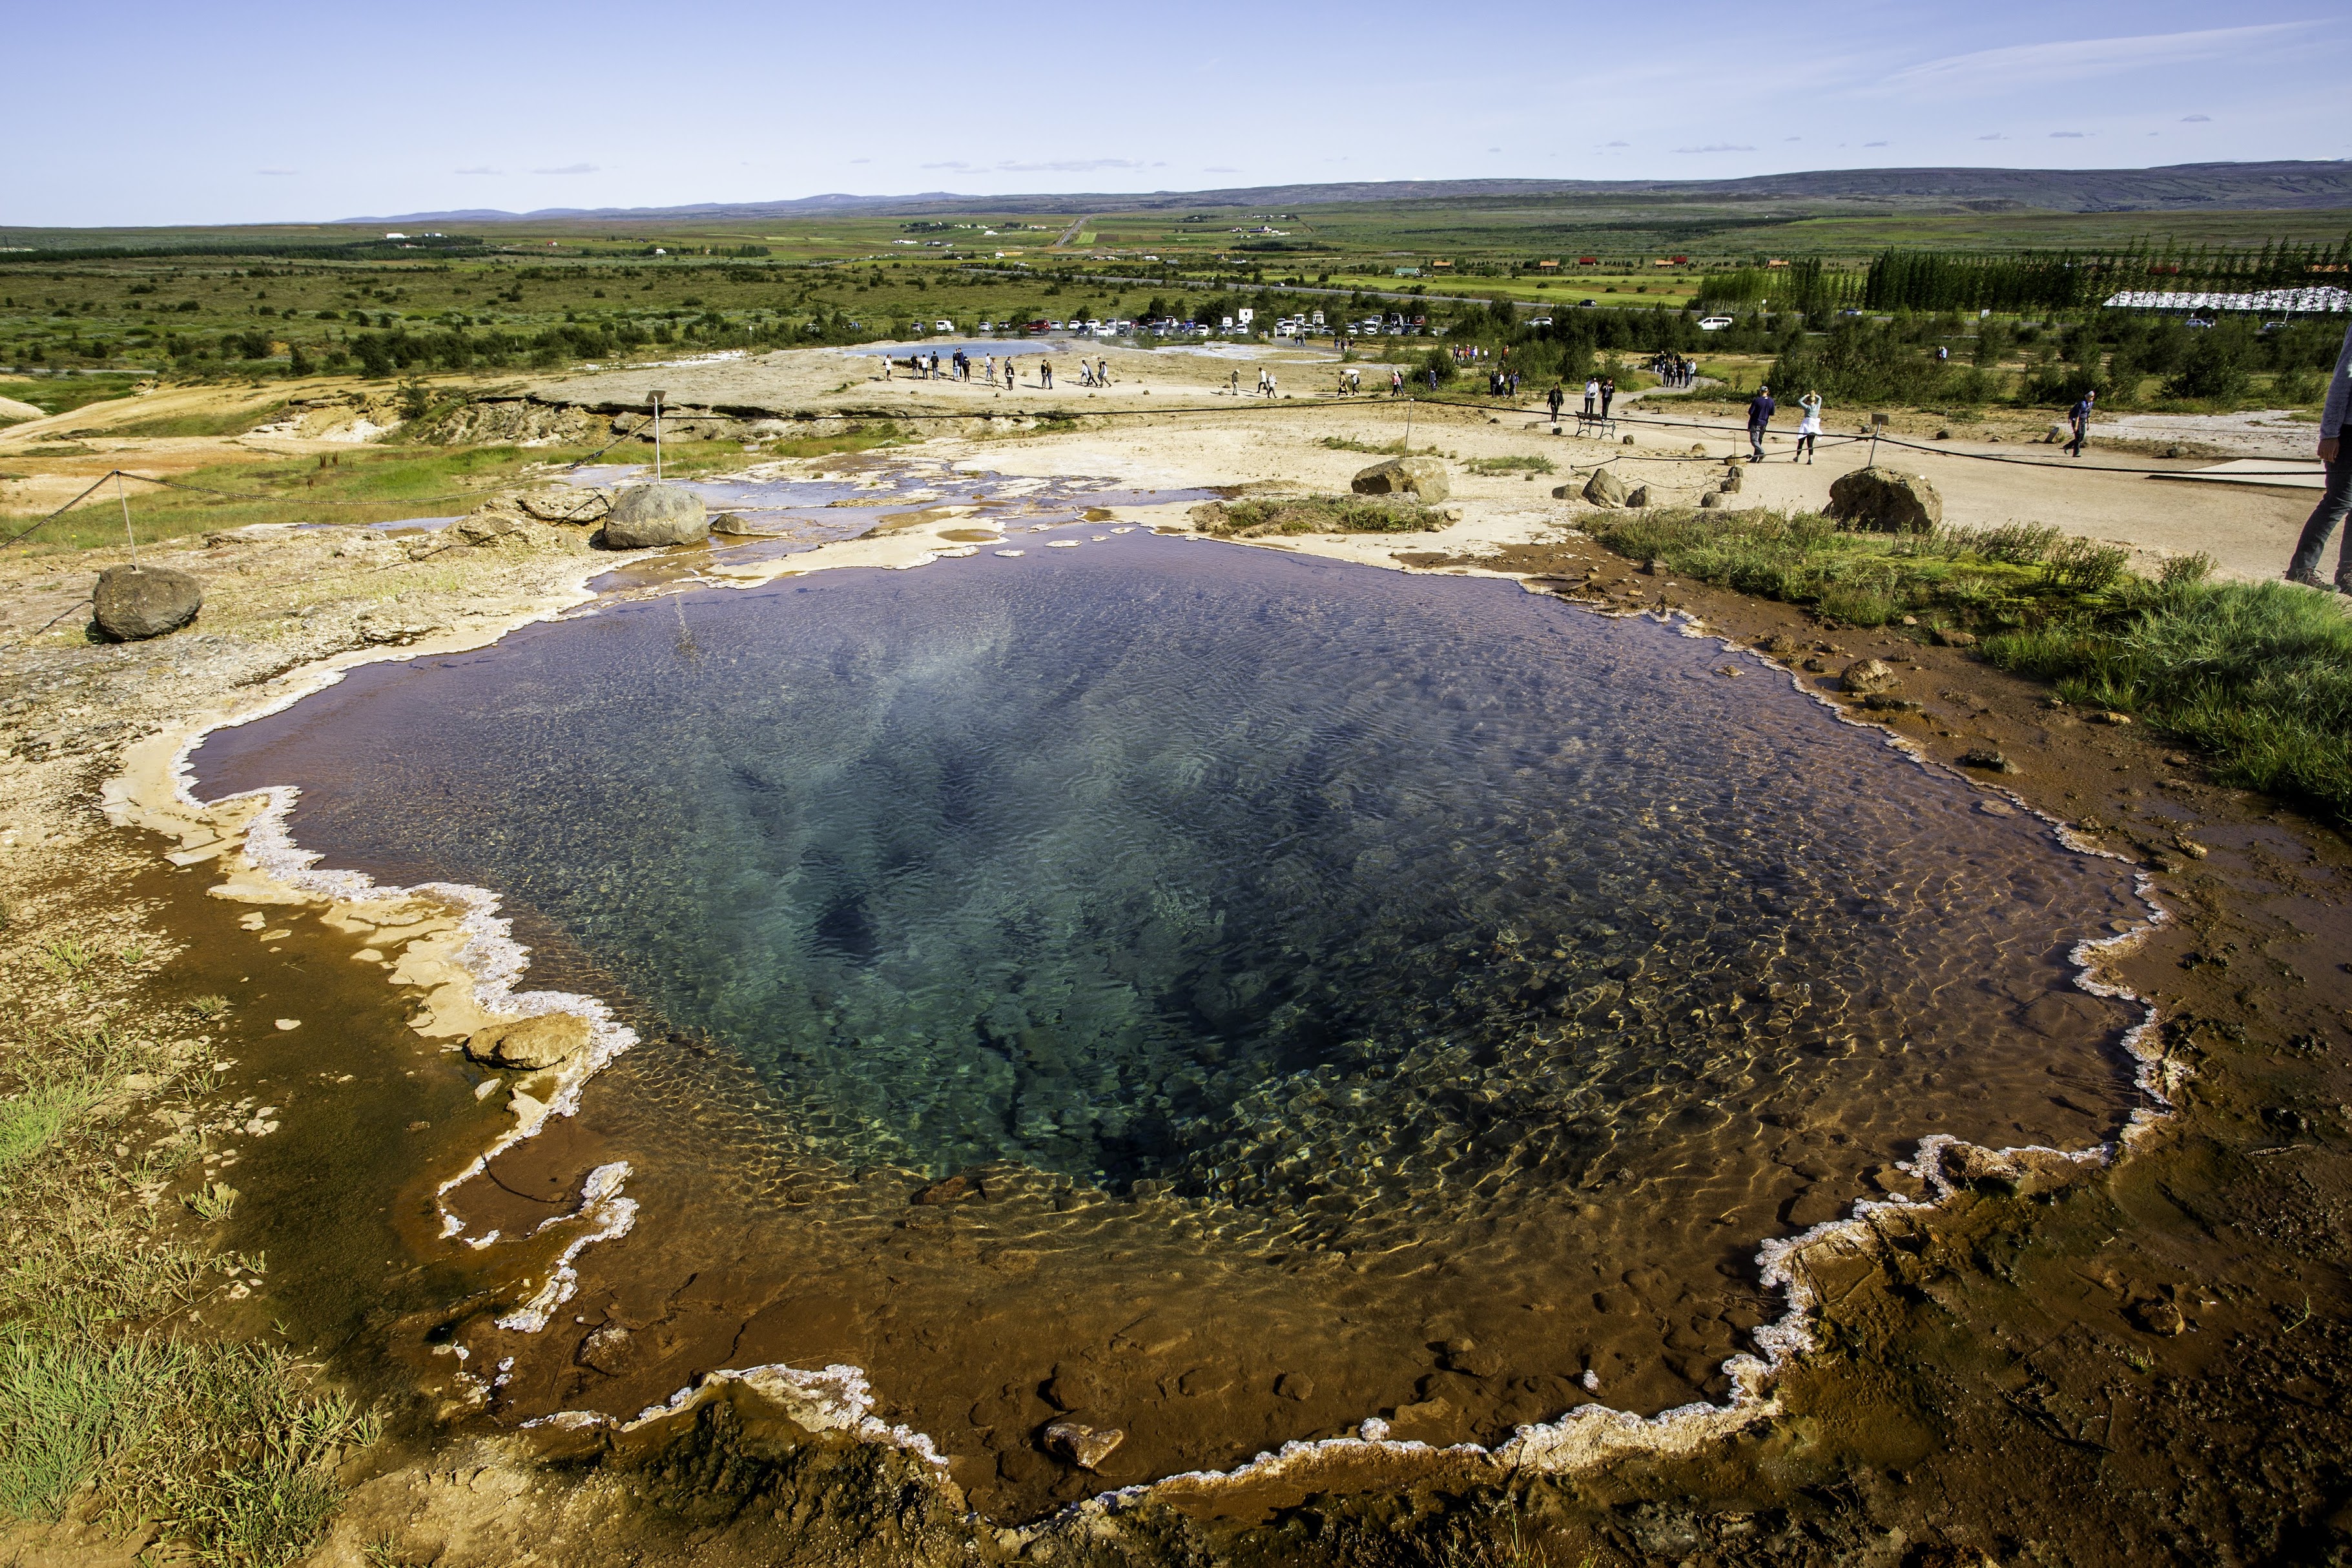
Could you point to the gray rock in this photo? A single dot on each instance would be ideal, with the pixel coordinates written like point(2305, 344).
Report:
point(1638, 496)
point(134, 602)
point(1605, 488)
point(1085, 1446)
point(1886, 500)
point(530, 1044)
point(1422, 476)
point(644, 516)
point(1950, 638)
point(1869, 675)
point(1989, 760)
point(1711, 500)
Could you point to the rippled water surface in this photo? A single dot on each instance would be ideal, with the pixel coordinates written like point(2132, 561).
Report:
point(1323, 907)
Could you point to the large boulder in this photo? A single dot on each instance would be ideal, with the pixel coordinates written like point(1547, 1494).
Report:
point(548, 1040)
point(1605, 488)
point(1422, 476)
point(1886, 500)
point(133, 602)
point(644, 516)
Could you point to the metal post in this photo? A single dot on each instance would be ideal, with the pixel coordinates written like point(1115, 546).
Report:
point(1877, 422)
point(125, 500)
point(1408, 427)
point(657, 451)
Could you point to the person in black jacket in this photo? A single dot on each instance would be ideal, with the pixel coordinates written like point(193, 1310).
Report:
point(2336, 500)
point(1759, 416)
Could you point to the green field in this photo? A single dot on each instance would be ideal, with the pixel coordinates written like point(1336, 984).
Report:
point(85, 313)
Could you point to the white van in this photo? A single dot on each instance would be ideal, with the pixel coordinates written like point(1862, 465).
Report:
point(1714, 324)
point(943, 326)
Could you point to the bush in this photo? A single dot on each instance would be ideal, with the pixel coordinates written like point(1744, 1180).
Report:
point(2214, 368)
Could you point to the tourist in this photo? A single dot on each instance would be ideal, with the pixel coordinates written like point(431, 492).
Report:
point(1010, 374)
point(1555, 399)
point(1591, 395)
point(1044, 373)
point(1759, 418)
point(1396, 382)
point(988, 369)
point(1807, 427)
point(1270, 390)
point(1608, 394)
point(1102, 370)
point(2336, 500)
point(1234, 388)
point(2078, 419)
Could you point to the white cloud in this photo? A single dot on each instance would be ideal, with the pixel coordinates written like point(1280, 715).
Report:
point(1056, 166)
point(2196, 120)
point(484, 169)
point(2065, 135)
point(1621, 143)
point(861, 160)
point(2022, 66)
point(1995, 136)
point(275, 174)
point(1716, 147)
point(569, 169)
point(1873, 143)
point(1229, 169)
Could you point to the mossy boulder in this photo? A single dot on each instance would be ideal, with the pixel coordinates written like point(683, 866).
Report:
point(1886, 500)
point(132, 604)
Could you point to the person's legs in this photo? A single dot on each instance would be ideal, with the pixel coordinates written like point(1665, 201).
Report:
point(2335, 504)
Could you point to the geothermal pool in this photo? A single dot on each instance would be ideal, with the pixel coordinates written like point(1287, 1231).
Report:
point(1346, 992)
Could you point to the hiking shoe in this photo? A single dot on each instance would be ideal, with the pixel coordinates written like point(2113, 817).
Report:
point(2307, 580)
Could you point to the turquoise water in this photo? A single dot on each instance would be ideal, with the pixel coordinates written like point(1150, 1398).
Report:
point(1306, 886)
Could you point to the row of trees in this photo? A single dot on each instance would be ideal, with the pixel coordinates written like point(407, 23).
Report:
point(2071, 279)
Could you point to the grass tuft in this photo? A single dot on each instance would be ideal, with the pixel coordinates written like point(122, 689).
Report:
point(2259, 674)
point(1491, 466)
point(1315, 514)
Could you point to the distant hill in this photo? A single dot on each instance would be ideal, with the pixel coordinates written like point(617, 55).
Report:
point(2233, 186)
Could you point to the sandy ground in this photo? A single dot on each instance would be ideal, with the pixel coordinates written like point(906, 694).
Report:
point(2104, 495)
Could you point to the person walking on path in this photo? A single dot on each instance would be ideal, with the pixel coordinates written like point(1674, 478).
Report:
point(1554, 400)
point(1608, 394)
point(1234, 388)
point(1759, 418)
point(1102, 370)
point(1809, 428)
point(1396, 382)
point(2078, 418)
point(1591, 395)
point(2336, 500)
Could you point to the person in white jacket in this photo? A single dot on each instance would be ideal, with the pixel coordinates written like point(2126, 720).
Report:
point(1808, 427)
point(2336, 500)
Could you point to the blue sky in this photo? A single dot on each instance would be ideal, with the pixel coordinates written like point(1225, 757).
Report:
point(149, 113)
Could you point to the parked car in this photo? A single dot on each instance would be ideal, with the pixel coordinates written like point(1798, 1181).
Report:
point(1714, 324)
point(1539, 321)
point(2195, 321)
point(2273, 326)
point(943, 326)
point(1587, 304)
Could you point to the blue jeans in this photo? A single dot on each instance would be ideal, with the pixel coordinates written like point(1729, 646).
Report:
point(2335, 502)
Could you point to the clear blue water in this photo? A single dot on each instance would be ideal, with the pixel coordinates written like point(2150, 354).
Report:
point(1307, 887)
